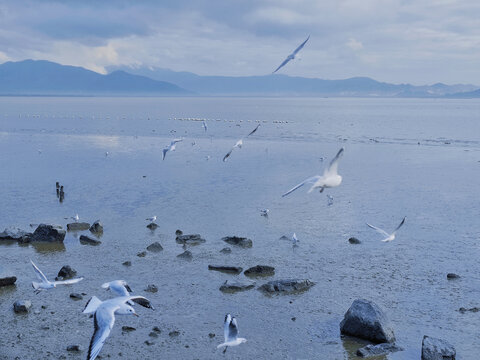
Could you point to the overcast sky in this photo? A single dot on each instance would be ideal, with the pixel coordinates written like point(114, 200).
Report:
point(418, 41)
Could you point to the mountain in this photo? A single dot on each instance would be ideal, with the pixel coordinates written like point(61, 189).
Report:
point(39, 77)
point(281, 85)
point(466, 95)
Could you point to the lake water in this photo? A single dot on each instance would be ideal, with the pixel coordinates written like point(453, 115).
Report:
point(418, 158)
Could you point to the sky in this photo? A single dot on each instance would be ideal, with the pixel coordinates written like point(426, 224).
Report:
point(397, 41)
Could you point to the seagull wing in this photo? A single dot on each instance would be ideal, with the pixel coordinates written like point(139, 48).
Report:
point(92, 305)
point(227, 156)
point(301, 46)
point(333, 167)
point(174, 141)
point(39, 273)
point(68, 282)
point(119, 287)
point(399, 226)
point(164, 151)
point(253, 131)
point(312, 179)
point(232, 330)
point(282, 64)
point(140, 300)
point(383, 232)
point(103, 324)
point(226, 325)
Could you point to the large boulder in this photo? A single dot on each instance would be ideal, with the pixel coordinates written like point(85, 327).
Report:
point(13, 233)
point(48, 233)
point(437, 349)
point(192, 239)
point(377, 350)
point(66, 272)
point(97, 227)
point(238, 241)
point(367, 321)
point(155, 247)
point(78, 226)
point(260, 270)
point(286, 286)
point(22, 306)
point(226, 269)
point(7, 280)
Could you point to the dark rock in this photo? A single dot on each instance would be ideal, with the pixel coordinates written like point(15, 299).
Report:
point(74, 348)
point(149, 343)
point(451, 276)
point(152, 226)
point(142, 254)
point(178, 232)
point(153, 334)
point(157, 329)
point(283, 237)
point(48, 233)
point(80, 226)
point(127, 263)
point(226, 269)
point(22, 306)
point(66, 272)
point(238, 241)
point(97, 227)
point(87, 240)
point(126, 328)
point(365, 320)
point(226, 250)
point(437, 349)
point(8, 280)
point(294, 318)
point(192, 239)
point(286, 286)
point(211, 335)
point(186, 255)
point(155, 247)
point(376, 350)
point(151, 288)
point(354, 240)
point(174, 333)
point(464, 310)
point(76, 296)
point(260, 270)
point(236, 286)
point(14, 233)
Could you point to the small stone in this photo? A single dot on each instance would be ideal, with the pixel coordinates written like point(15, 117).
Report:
point(152, 226)
point(74, 348)
point(153, 334)
point(290, 286)
point(192, 239)
point(151, 288)
point(149, 343)
point(236, 286)
point(226, 250)
point(451, 276)
point(67, 272)
point(178, 232)
point(97, 227)
point(87, 240)
point(260, 270)
point(128, 328)
point(157, 329)
point(6, 281)
point(354, 240)
point(22, 306)
point(127, 263)
point(186, 255)
point(76, 296)
point(142, 254)
point(238, 241)
point(211, 335)
point(155, 247)
point(437, 349)
point(226, 269)
point(294, 318)
point(78, 226)
point(174, 333)
point(464, 310)
point(376, 350)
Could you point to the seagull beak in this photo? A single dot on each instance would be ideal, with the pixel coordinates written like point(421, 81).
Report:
point(136, 314)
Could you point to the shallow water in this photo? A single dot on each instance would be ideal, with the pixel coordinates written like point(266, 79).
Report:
point(404, 157)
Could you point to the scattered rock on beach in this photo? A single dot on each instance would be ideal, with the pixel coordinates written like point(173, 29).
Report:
point(142, 254)
point(284, 237)
point(78, 226)
point(354, 240)
point(235, 286)
point(178, 232)
point(437, 349)
point(76, 296)
point(451, 276)
point(97, 227)
point(126, 328)
point(66, 272)
point(365, 320)
point(74, 348)
point(238, 241)
point(87, 240)
point(226, 250)
point(48, 233)
point(186, 255)
point(226, 269)
point(155, 247)
point(13, 233)
point(376, 350)
point(152, 226)
point(192, 239)
point(8, 280)
point(289, 286)
point(127, 263)
point(22, 306)
point(151, 288)
point(174, 333)
point(260, 270)
point(464, 310)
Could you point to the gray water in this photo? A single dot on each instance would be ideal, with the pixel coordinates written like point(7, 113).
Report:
point(403, 157)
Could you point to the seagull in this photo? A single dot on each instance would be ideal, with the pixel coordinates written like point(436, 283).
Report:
point(45, 284)
point(253, 131)
point(292, 55)
point(104, 318)
point(171, 147)
point(389, 237)
point(264, 212)
point(330, 177)
point(204, 124)
point(120, 287)
point(152, 219)
point(294, 239)
point(230, 331)
point(239, 143)
point(76, 217)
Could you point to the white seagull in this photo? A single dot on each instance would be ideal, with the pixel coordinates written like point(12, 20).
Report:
point(264, 212)
point(204, 124)
point(119, 287)
point(171, 147)
point(294, 239)
point(76, 217)
point(230, 331)
point(239, 143)
point(104, 318)
point(329, 179)
point(45, 284)
point(292, 55)
point(152, 219)
point(389, 237)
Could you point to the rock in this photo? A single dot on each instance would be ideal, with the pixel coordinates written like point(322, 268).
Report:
point(80, 226)
point(74, 348)
point(48, 233)
point(66, 272)
point(22, 306)
point(236, 286)
point(87, 240)
point(128, 328)
point(260, 270)
point(451, 276)
point(226, 269)
point(76, 296)
point(376, 350)
point(127, 263)
point(365, 320)
point(283, 237)
point(142, 254)
point(8, 280)
point(238, 241)
point(152, 226)
point(354, 240)
point(153, 334)
point(178, 232)
point(149, 343)
point(97, 227)
point(286, 286)
point(174, 333)
point(437, 349)
point(226, 250)
point(211, 335)
point(155, 247)
point(151, 288)
point(157, 329)
point(193, 239)
point(13, 233)
point(186, 255)
point(464, 310)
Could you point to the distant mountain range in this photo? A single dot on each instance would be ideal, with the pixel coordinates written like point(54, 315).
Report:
point(44, 78)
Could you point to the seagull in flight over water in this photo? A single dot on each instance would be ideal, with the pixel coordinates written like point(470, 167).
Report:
point(230, 331)
point(45, 284)
point(292, 55)
point(171, 147)
point(204, 124)
point(329, 179)
point(389, 237)
point(239, 144)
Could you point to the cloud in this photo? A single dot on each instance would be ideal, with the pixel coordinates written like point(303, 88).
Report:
point(355, 45)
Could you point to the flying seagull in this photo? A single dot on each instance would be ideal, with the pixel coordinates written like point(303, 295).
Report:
point(171, 147)
point(119, 287)
point(230, 331)
point(389, 237)
point(239, 143)
point(45, 284)
point(292, 55)
point(104, 318)
point(330, 177)
point(204, 124)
